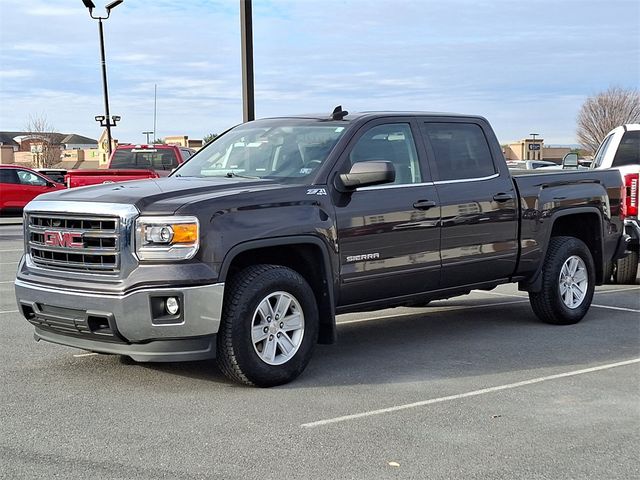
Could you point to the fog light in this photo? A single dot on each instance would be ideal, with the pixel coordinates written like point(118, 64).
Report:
point(172, 306)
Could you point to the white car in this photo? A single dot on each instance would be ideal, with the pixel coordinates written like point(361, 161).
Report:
point(620, 149)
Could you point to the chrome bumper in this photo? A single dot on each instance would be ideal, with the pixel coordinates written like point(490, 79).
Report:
point(632, 227)
point(132, 324)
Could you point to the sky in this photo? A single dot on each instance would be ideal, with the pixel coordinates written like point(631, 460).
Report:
point(527, 66)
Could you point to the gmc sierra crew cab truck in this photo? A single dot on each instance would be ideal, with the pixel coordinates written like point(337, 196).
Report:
point(249, 250)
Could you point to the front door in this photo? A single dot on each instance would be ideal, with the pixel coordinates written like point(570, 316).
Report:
point(388, 235)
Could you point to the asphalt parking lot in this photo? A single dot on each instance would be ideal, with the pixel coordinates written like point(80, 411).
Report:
point(472, 387)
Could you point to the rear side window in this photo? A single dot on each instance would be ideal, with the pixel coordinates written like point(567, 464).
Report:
point(629, 150)
point(8, 175)
point(461, 151)
point(156, 159)
point(186, 154)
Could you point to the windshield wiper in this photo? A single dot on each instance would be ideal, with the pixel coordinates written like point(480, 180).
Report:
point(234, 174)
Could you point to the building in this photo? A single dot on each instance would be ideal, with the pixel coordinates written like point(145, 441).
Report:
point(183, 141)
point(534, 149)
point(28, 147)
point(526, 149)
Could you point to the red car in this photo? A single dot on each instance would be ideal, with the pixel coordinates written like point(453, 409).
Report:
point(20, 185)
point(133, 162)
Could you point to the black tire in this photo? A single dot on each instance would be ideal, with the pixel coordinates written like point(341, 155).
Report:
point(547, 304)
point(236, 355)
point(626, 269)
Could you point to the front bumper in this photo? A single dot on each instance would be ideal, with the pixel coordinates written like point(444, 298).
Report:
point(128, 324)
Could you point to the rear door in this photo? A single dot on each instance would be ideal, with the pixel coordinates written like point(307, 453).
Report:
point(388, 235)
point(479, 239)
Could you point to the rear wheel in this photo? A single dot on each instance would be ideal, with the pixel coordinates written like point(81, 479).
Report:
point(568, 282)
point(269, 326)
point(626, 269)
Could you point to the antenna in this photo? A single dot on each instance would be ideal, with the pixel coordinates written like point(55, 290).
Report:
point(338, 113)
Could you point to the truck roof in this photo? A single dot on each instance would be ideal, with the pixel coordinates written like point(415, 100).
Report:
point(373, 114)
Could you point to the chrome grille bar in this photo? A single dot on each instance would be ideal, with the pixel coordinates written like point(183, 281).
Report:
point(74, 242)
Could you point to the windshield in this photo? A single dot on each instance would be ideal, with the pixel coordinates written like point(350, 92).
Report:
point(156, 159)
point(284, 149)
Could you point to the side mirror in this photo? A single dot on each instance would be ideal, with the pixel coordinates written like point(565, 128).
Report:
point(363, 174)
point(570, 161)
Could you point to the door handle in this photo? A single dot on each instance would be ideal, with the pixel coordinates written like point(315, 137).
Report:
point(424, 204)
point(502, 197)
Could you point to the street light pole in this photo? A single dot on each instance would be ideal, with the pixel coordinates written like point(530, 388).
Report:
point(246, 33)
point(107, 121)
point(103, 63)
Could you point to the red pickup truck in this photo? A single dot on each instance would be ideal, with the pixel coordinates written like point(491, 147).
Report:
point(132, 162)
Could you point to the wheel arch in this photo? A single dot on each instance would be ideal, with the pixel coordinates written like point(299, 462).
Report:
point(585, 224)
point(305, 254)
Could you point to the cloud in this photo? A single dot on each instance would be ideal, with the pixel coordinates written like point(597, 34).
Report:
point(16, 73)
point(40, 48)
point(51, 11)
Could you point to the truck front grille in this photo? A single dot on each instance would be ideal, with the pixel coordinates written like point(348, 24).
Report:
point(74, 242)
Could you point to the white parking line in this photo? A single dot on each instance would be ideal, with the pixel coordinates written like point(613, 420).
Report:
point(616, 290)
point(91, 354)
point(434, 308)
point(620, 309)
point(9, 311)
point(467, 394)
point(11, 250)
point(9, 281)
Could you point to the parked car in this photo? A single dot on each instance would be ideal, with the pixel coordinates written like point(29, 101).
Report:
point(55, 174)
point(132, 162)
point(249, 250)
point(530, 164)
point(620, 149)
point(20, 185)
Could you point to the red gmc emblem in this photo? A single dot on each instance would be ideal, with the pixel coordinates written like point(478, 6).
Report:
point(63, 239)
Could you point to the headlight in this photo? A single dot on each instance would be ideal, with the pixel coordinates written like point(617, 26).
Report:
point(167, 238)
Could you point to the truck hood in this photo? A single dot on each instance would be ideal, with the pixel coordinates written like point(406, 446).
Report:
point(162, 196)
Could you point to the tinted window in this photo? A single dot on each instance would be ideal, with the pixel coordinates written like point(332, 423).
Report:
point(28, 178)
point(461, 151)
point(156, 159)
point(391, 142)
point(629, 150)
point(597, 160)
point(8, 175)
point(185, 154)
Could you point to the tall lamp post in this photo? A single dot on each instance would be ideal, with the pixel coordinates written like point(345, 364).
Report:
point(105, 120)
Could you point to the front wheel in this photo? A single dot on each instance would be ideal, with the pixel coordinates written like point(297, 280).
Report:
point(269, 326)
point(568, 282)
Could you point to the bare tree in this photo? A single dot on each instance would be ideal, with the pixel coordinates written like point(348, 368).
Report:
point(45, 143)
point(605, 111)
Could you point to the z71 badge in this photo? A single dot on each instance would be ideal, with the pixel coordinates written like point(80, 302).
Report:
point(316, 191)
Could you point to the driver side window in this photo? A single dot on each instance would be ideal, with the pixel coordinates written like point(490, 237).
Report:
point(393, 143)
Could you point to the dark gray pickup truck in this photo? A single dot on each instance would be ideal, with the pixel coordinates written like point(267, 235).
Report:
point(248, 251)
